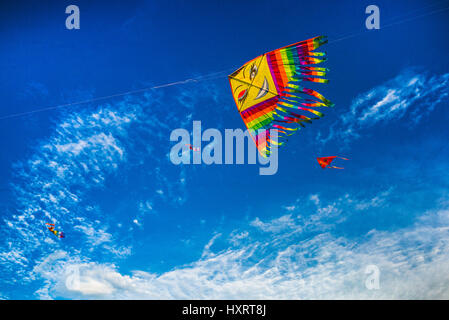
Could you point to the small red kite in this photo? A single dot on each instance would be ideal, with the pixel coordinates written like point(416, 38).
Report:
point(326, 161)
point(193, 148)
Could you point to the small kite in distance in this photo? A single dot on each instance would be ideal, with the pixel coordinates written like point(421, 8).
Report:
point(57, 233)
point(193, 148)
point(326, 161)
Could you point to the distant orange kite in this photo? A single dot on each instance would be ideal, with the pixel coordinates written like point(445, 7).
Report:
point(326, 161)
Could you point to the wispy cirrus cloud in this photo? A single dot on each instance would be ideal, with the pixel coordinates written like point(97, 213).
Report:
point(50, 186)
point(376, 201)
point(275, 225)
point(84, 151)
point(412, 263)
point(412, 94)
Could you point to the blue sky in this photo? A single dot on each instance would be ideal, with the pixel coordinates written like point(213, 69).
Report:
point(139, 227)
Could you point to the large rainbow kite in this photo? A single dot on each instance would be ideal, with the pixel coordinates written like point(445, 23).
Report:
point(268, 91)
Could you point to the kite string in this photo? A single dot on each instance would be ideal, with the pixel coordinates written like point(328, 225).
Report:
point(211, 76)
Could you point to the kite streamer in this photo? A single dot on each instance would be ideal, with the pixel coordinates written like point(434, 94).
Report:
point(269, 91)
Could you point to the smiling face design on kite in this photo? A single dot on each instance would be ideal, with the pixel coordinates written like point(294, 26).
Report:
point(270, 94)
point(252, 83)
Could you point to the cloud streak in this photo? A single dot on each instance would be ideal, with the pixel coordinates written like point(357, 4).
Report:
point(411, 94)
point(412, 263)
point(85, 151)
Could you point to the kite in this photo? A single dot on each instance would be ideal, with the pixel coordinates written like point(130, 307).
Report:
point(268, 91)
point(193, 148)
point(326, 161)
point(57, 233)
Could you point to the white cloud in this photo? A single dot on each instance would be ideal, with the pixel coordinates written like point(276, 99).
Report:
point(276, 225)
point(315, 198)
point(14, 256)
point(206, 250)
point(237, 236)
point(95, 235)
point(290, 208)
point(83, 150)
point(376, 201)
point(413, 264)
point(410, 94)
point(60, 177)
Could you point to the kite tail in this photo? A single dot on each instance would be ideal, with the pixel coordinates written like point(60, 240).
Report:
point(334, 167)
point(294, 64)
